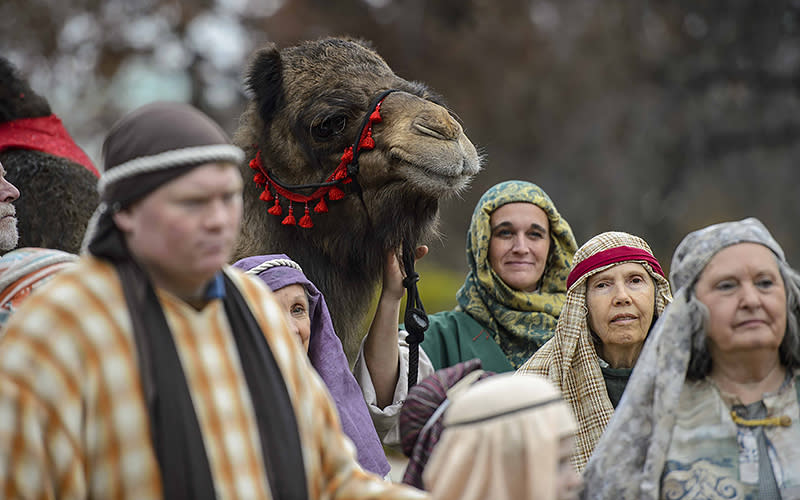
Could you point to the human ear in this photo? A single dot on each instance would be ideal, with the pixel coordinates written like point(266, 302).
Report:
point(123, 220)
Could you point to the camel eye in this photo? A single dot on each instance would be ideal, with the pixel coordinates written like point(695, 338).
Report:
point(329, 127)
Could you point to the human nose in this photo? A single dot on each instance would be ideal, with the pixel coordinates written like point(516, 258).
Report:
point(621, 295)
point(8, 192)
point(750, 297)
point(217, 214)
point(518, 244)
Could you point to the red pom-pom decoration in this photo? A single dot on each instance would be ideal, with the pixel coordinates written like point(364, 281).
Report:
point(305, 220)
point(321, 207)
point(276, 208)
point(289, 219)
point(335, 194)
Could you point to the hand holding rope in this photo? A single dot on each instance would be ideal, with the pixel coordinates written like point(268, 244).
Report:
point(415, 318)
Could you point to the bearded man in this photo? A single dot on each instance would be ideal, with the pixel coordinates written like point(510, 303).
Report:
point(8, 214)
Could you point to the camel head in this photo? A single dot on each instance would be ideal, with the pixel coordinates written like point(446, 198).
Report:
point(309, 104)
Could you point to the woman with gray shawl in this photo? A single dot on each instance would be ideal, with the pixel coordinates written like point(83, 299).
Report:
point(712, 409)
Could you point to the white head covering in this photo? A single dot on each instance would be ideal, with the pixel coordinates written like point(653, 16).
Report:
point(500, 441)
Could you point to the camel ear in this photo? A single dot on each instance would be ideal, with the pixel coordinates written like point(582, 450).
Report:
point(264, 79)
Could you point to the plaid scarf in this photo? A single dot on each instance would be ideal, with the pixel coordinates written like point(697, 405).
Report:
point(520, 322)
point(570, 361)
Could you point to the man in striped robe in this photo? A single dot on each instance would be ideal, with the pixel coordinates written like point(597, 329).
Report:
point(151, 369)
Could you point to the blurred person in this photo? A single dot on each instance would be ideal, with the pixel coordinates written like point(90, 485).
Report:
point(151, 369)
point(616, 291)
point(420, 419)
point(712, 409)
point(57, 179)
point(8, 214)
point(24, 270)
point(505, 438)
point(519, 251)
point(311, 322)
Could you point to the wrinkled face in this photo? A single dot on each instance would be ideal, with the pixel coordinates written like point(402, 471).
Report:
point(568, 482)
point(621, 302)
point(183, 232)
point(8, 219)
point(744, 292)
point(519, 244)
point(294, 301)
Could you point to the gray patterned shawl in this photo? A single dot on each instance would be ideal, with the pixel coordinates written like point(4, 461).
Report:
point(628, 461)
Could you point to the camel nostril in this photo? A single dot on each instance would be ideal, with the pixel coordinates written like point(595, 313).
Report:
point(438, 129)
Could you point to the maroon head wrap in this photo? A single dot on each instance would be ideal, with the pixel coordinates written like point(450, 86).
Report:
point(612, 256)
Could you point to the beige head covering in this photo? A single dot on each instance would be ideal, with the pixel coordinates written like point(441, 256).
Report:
point(570, 361)
point(500, 441)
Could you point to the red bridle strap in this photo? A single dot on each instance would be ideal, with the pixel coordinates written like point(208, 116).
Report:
point(274, 190)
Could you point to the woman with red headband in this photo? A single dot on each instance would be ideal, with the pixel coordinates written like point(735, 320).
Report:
point(615, 291)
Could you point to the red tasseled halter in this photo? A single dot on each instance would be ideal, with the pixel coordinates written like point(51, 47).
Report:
point(343, 174)
point(46, 134)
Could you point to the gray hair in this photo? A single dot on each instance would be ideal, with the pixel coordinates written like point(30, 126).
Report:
point(789, 350)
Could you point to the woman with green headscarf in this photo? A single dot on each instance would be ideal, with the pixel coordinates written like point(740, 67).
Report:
point(519, 252)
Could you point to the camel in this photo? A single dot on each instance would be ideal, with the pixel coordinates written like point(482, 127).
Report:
point(308, 105)
point(56, 180)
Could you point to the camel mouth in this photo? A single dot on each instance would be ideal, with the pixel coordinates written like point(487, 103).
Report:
point(438, 180)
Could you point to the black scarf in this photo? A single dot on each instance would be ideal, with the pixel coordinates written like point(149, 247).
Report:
point(176, 435)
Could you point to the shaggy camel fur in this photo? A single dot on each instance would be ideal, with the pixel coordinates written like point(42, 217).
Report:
point(307, 106)
point(57, 195)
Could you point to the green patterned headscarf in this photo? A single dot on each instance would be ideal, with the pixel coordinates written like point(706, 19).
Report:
point(520, 322)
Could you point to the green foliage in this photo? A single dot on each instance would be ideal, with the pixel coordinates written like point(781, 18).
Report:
point(437, 288)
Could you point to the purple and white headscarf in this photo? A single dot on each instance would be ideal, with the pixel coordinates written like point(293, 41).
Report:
point(327, 357)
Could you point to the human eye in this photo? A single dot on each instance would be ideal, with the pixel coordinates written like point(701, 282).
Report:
point(191, 202)
point(725, 285)
point(535, 235)
point(638, 279)
point(298, 310)
point(230, 197)
point(503, 232)
point(764, 283)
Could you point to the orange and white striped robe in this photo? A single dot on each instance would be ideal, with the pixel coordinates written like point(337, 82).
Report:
point(73, 421)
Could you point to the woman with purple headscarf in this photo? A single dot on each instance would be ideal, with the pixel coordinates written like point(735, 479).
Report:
point(309, 316)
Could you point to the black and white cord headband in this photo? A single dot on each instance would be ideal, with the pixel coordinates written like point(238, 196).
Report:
point(269, 264)
point(197, 155)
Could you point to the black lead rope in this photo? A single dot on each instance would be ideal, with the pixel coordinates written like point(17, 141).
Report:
point(415, 318)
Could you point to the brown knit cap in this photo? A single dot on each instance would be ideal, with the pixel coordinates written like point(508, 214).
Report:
point(143, 151)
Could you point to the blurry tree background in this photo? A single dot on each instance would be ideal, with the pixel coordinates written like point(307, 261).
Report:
point(650, 117)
